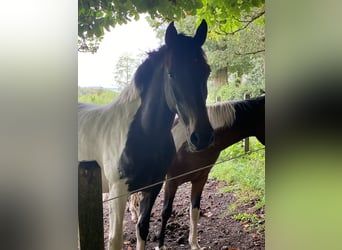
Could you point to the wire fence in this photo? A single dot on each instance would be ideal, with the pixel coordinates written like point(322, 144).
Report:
point(184, 174)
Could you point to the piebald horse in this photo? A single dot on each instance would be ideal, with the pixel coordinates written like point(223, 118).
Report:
point(232, 121)
point(131, 138)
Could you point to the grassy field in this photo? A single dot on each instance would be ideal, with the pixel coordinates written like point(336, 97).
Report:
point(97, 96)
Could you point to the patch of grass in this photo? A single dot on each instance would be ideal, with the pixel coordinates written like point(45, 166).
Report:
point(244, 175)
point(250, 221)
point(245, 217)
point(231, 208)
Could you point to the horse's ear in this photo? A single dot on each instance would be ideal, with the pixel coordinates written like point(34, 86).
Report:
point(201, 33)
point(171, 34)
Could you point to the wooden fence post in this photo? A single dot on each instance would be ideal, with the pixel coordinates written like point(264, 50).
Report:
point(246, 140)
point(90, 209)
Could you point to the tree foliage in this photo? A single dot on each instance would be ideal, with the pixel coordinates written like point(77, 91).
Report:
point(236, 51)
point(223, 16)
point(253, 83)
point(229, 16)
point(94, 17)
point(233, 53)
point(124, 69)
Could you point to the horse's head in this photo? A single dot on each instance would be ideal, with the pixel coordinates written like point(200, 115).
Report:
point(186, 73)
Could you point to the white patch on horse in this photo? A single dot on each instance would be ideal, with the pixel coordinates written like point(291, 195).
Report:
point(98, 127)
point(194, 217)
point(140, 242)
point(133, 204)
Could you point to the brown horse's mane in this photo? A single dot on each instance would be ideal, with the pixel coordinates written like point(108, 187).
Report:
point(221, 114)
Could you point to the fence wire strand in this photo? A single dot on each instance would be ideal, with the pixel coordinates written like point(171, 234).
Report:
point(181, 175)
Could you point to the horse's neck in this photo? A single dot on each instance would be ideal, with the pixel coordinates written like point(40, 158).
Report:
point(247, 119)
point(227, 136)
point(155, 115)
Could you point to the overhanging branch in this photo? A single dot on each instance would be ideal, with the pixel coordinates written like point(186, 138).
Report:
point(247, 23)
point(249, 53)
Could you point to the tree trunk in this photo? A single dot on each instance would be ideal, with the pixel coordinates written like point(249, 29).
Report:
point(221, 77)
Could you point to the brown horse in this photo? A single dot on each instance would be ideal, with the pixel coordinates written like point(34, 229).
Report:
point(232, 121)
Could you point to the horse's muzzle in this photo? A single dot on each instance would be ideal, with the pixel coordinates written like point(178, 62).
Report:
point(200, 141)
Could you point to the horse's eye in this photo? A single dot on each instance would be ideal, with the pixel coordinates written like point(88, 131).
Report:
point(171, 75)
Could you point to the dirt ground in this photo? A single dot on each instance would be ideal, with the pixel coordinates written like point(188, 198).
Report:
point(216, 228)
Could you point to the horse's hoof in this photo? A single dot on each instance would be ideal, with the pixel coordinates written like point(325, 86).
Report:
point(135, 220)
point(160, 248)
point(198, 248)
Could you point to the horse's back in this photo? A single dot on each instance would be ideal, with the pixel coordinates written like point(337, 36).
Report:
point(87, 126)
point(103, 129)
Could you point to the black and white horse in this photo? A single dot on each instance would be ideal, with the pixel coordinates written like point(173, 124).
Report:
point(131, 138)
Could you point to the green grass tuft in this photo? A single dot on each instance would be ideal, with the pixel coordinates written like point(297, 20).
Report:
point(244, 175)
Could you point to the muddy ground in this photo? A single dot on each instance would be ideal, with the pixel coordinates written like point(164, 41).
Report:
point(217, 229)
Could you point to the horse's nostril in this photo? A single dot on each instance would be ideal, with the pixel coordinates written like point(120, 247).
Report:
point(211, 139)
point(201, 141)
point(195, 139)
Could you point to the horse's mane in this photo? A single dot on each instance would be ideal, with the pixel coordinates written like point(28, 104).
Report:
point(144, 72)
point(142, 76)
point(251, 105)
point(221, 114)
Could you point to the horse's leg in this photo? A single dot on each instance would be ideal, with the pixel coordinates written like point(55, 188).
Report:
point(133, 206)
point(116, 215)
point(170, 190)
point(146, 204)
point(196, 193)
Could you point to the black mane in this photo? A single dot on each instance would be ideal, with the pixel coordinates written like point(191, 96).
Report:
point(250, 104)
point(144, 72)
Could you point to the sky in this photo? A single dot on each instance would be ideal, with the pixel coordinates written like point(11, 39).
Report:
point(134, 38)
